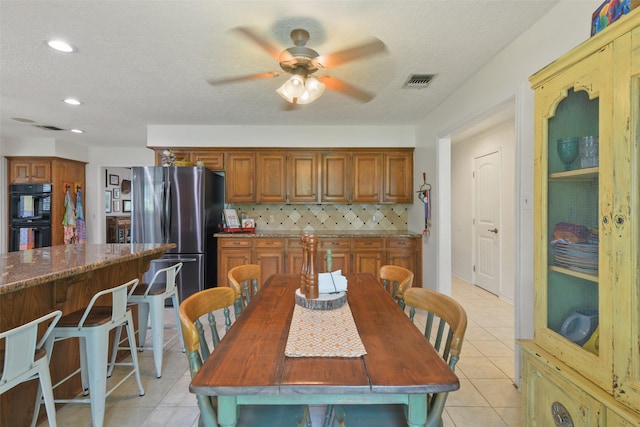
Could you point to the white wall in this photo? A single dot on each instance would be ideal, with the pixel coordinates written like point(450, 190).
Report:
point(499, 137)
point(279, 136)
point(100, 159)
point(505, 76)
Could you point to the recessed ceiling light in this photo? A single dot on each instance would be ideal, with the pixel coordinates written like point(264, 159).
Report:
point(72, 101)
point(60, 45)
point(76, 130)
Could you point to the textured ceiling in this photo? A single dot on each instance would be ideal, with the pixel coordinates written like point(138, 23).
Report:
point(148, 62)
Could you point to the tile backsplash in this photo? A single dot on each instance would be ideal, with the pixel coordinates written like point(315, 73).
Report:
point(326, 217)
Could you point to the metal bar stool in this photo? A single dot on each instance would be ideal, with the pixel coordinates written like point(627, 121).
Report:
point(92, 326)
point(150, 299)
point(24, 360)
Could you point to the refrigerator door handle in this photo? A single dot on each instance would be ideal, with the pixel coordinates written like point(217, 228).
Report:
point(167, 215)
point(163, 201)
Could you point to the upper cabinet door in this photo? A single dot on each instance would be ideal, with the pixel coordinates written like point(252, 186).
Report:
point(625, 219)
point(398, 178)
point(335, 178)
point(574, 220)
point(30, 171)
point(271, 178)
point(302, 183)
point(239, 178)
point(367, 177)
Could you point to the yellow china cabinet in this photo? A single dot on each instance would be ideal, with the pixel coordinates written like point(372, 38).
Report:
point(583, 366)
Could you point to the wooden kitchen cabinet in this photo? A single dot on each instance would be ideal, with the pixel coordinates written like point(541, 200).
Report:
point(211, 160)
point(335, 178)
point(369, 255)
point(232, 252)
point(56, 171)
point(349, 254)
point(276, 175)
point(367, 177)
point(28, 171)
point(293, 262)
point(271, 178)
point(340, 254)
point(269, 255)
point(302, 177)
point(240, 177)
point(181, 155)
point(405, 253)
point(398, 177)
point(118, 229)
point(586, 224)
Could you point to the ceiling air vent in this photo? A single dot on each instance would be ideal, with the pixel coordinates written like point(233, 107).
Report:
point(418, 81)
point(45, 127)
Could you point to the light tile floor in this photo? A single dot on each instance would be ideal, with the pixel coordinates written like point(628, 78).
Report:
point(487, 396)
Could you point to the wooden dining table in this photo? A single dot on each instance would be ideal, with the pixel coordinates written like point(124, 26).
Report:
point(249, 366)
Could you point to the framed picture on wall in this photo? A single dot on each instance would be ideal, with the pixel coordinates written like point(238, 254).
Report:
point(126, 206)
point(114, 180)
point(107, 201)
point(116, 205)
point(116, 193)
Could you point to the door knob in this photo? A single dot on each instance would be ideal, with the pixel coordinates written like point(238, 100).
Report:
point(493, 230)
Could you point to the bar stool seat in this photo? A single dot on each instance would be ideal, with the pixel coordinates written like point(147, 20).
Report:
point(150, 299)
point(92, 326)
point(25, 359)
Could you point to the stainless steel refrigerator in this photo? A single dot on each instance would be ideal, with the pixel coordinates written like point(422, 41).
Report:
point(181, 205)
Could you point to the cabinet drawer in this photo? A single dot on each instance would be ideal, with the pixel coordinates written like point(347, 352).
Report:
point(335, 244)
point(268, 243)
point(402, 243)
point(294, 244)
point(369, 243)
point(234, 243)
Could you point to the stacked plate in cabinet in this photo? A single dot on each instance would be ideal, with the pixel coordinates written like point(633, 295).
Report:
point(582, 257)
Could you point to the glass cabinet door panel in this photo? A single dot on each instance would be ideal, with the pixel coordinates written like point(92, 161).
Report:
point(572, 282)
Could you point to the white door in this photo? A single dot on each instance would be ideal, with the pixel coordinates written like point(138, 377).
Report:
point(486, 174)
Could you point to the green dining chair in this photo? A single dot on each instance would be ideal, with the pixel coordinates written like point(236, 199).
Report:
point(209, 303)
point(396, 280)
point(245, 280)
point(445, 323)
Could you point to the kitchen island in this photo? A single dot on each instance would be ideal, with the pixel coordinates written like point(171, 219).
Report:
point(65, 277)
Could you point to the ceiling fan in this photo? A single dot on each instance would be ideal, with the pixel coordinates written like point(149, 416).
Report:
point(302, 62)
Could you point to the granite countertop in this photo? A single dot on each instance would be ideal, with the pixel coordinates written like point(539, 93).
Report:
point(322, 233)
point(24, 269)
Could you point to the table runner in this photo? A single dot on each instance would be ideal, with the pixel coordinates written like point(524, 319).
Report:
point(323, 333)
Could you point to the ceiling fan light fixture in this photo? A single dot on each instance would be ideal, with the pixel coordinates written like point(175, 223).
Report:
point(302, 90)
point(295, 86)
point(314, 88)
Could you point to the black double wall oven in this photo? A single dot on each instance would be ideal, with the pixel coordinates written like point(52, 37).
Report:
point(30, 216)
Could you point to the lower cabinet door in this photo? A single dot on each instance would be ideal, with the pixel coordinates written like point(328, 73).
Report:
point(551, 399)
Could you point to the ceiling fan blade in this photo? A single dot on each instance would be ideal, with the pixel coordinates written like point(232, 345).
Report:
point(258, 76)
point(341, 86)
point(265, 44)
point(351, 54)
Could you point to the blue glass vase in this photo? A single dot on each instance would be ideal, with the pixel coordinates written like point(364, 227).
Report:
point(568, 150)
